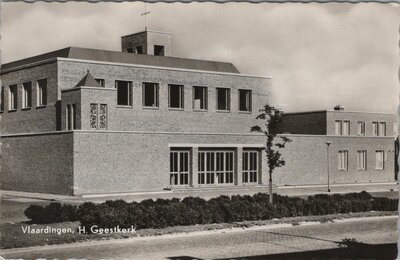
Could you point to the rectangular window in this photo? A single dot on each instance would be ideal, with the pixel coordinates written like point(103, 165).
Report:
point(27, 95)
point(158, 50)
point(124, 93)
point(13, 100)
point(68, 117)
point(73, 116)
point(338, 127)
point(42, 92)
point(343, 160)
point(101, 82)
point(200, 98)
point(179, 168)
point(138, 50)
point(245, 100)
point(176, 96)
point(250, 167)
point(215, 167)
point(150, 94)
point(1, 98)
point(361, 160)
point(382, 129)
point(346, 128)
point(70, 122)
point(361, 128)
point(380, 160)
point(375, 128)
point(223, 99)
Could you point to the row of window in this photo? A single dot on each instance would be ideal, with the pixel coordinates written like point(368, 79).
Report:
point(214, 167)
point(342, 127)
point(343, 160)
point(41, 97)
point(176, 97)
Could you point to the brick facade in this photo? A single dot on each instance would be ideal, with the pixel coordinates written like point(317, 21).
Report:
point(110, 148)
point(38, 163)
point(313, 150)
point(140, 162)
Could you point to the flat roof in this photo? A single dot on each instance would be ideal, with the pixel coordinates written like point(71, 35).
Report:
point(337, 111)
point(129, 58)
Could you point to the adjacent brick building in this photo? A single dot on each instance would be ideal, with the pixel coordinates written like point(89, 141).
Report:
point(81, 121)
point(356, 146)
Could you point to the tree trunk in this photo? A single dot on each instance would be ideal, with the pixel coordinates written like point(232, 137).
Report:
point(271, 201)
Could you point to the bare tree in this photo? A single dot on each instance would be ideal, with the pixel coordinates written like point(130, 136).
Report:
point(272, 117)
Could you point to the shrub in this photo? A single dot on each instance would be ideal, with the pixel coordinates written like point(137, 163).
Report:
point(35, 213)
point(382, 204)
point(52, 213)
point(69, 213)
point(162, 213)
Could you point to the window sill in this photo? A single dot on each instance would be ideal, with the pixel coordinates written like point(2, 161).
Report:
point(361, 170)
point(41, 106)
point(223, 111)
point(12, 110)
point(200, 110)
point(26, 108)
point(176, 109)
point(121, 106)
point(245, 112)
point(177, 186)
point(215, 184)
point(151, 108)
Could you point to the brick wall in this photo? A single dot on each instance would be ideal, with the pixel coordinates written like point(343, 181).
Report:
point(106, 162)
point(306, 160)
point(313, 123)
point(37, 163)
point(85, 162)
point(147, 40)
point(354, 117)
point(35, 119)
point(164, 119)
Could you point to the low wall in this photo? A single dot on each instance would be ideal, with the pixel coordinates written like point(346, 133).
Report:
point(40, 163)
point(88, 162)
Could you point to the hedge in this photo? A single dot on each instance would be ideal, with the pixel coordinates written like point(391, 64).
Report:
point(162, 213)
point(52, 213)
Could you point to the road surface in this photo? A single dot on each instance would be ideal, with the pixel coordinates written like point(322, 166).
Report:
point(223, 245)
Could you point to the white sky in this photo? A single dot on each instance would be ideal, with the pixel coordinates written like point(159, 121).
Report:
point(319, 55)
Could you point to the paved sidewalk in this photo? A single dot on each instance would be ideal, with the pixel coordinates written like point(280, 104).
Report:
point(224, 245)
point(387, 189)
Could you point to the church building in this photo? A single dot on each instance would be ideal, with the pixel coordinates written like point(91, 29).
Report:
point(81, 121)
point(84, 121)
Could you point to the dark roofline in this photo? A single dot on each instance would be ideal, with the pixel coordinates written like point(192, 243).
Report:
point(144, 32)
point(305, 112)
point(129, 58)
point(62, 53)
point(335, 111)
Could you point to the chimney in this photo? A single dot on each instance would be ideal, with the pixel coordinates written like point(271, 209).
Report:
point(147, 42)
point(338, 108)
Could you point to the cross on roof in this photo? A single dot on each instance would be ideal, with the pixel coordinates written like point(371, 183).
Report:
point(145, 15)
